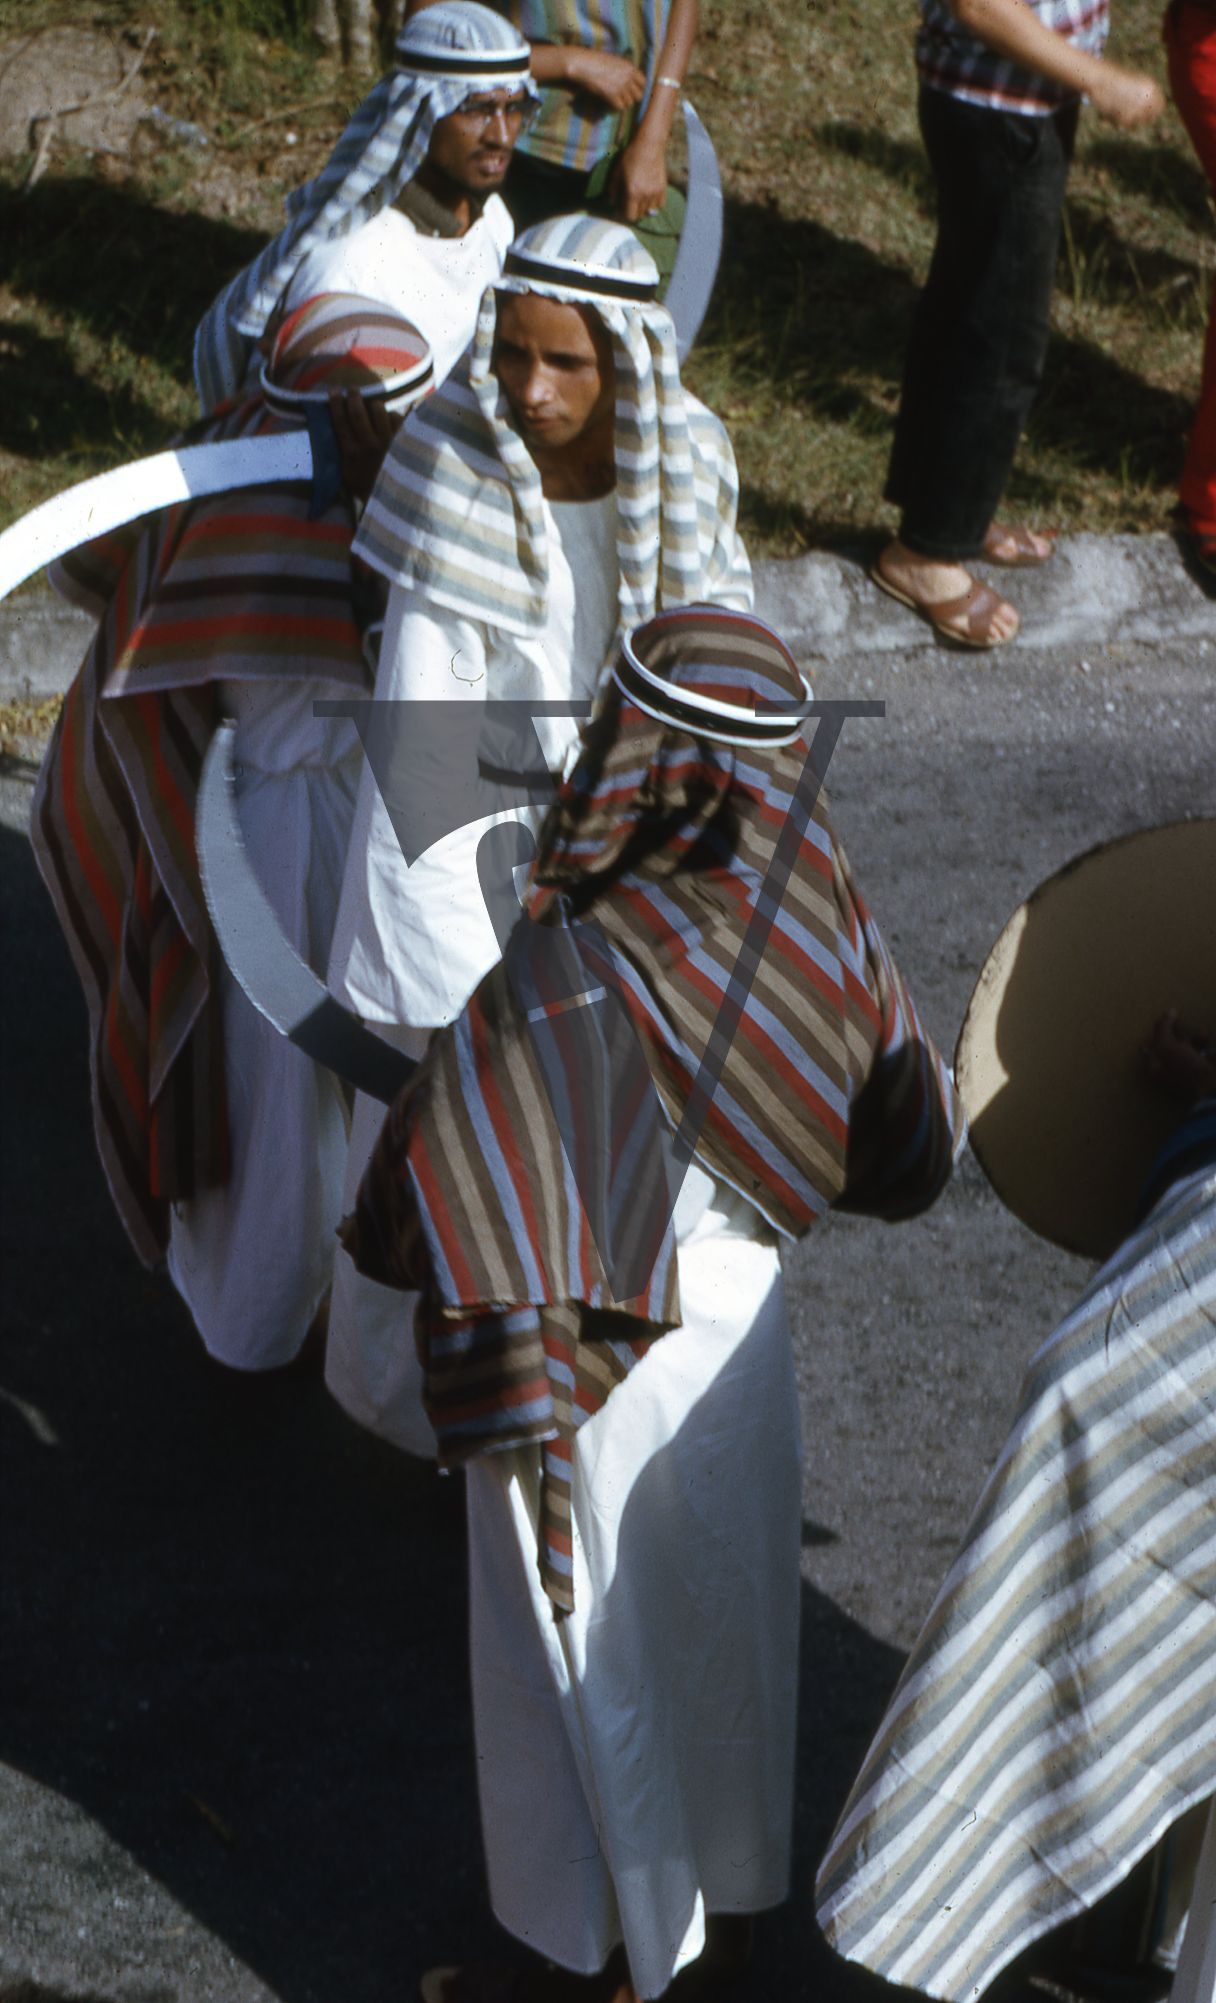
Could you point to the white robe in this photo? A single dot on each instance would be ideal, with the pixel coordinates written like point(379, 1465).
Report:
point(410, 945)
point(635, 1760)
point(253, 1259)
point(435, 282)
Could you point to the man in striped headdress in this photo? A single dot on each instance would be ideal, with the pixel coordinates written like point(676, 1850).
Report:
point(560, 488)
point(223, 1147)
point(616, 1372)
point(405, 211)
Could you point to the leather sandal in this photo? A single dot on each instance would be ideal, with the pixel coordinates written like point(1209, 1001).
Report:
point(962, 621)
point(1023, 555)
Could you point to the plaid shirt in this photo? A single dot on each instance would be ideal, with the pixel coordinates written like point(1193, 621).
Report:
point(950, 59)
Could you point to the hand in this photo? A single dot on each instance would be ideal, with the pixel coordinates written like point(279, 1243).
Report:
point(620, 83)
point(639, 180)
point(1125, 98)
point(364, 432)
point(1178, 1060)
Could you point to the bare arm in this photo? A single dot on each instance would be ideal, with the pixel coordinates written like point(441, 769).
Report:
point(1126, 98)
point(640, 181)
point(598, 72)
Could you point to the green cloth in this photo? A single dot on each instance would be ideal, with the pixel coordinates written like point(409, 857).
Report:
point(659, 234)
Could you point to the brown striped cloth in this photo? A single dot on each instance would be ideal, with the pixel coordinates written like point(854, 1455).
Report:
point(521, 1180)
point(1058, 1712)
point(240, 585)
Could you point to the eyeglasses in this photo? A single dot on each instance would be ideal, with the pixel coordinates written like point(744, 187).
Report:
point(519, 110)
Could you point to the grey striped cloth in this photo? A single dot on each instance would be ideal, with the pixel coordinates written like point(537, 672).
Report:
point(380, 151)
point(457, 511)
point(1058, 1712)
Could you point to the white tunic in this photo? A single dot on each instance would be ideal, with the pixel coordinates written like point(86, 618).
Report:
point(435, 282)
point(635, 1760)
point(254, 1258)
point(410, 944)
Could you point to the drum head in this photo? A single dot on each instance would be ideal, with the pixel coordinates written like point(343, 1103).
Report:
point(1063, 1120)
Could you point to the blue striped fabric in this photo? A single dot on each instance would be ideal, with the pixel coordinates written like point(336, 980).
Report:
point(1058, 1712)
point(457, 511)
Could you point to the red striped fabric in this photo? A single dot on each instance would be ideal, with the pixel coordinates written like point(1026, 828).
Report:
point(542, 1285)
point(236, 586)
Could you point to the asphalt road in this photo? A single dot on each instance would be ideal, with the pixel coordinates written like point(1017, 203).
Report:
point(233, 1709)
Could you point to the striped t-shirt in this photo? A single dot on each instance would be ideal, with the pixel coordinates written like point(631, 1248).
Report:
point(950, 59)
point(574, 129)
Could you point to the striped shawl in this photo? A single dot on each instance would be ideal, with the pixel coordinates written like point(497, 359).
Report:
point(457, 511)
point(1058, 1712)
point(542, 1283)
point(238, 586)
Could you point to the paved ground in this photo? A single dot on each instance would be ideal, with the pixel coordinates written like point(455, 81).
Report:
point(234, 1728)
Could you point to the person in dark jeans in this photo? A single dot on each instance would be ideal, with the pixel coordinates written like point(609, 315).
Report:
point(1001, 82)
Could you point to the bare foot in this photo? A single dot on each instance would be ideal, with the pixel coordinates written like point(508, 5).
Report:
point(925, 584)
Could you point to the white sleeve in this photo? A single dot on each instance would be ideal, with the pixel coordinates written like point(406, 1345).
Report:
point(353, 261)
point(413, 936)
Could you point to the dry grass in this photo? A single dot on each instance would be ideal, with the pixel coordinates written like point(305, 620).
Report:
point(109, 263)
point(25, 728)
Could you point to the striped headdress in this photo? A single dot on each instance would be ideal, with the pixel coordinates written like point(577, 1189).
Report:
point(443, 55)
point(342, 341)
point(542, 1285)
point(457, 511)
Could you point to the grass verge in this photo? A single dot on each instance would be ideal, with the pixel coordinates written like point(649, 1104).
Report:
point(108, 263)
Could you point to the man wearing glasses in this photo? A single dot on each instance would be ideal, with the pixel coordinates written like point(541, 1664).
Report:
point(405, 211)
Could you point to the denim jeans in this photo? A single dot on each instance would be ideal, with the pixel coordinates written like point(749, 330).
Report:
point(980, 333)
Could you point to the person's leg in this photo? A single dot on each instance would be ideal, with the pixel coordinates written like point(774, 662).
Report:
point(978, 342)
point(371, 1364)
point(1191, 46)
point(980, 336)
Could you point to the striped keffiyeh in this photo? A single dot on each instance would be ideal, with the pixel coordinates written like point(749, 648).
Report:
point(446, 53)
point(521, 1180)
point(457, 512)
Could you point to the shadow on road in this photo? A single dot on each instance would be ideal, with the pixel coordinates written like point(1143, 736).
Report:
point(235, 1624)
